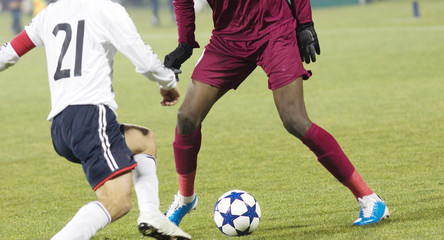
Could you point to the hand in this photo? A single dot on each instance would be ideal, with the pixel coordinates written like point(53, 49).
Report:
point(170, 97)
point(178, 56)
point(308, 42)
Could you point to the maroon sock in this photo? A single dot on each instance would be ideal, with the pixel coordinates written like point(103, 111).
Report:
point(329, 153)
point(186, 147)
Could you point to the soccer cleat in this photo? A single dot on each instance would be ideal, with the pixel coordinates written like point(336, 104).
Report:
point(372, 210)
point(178, 208)
point(158, 226)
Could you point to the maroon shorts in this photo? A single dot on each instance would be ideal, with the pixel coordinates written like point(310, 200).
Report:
point(226, 64)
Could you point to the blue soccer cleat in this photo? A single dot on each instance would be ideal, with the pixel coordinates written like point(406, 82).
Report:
point(179, 208)
point(372, 210)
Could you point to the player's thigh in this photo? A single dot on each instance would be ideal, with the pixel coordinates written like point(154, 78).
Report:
point(289, 101)
point(281, 60)
point(225, 64)
point(140, 139)
point(60, 139)
point(94, 136)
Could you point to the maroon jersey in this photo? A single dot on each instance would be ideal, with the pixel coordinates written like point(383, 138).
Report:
point(242, 19)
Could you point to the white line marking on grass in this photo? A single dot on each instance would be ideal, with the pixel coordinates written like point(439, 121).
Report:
point(382, 29)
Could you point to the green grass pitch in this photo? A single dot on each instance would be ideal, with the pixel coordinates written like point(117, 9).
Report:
point(377, 87)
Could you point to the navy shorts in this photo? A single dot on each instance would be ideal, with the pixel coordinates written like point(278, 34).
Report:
point(90, 135)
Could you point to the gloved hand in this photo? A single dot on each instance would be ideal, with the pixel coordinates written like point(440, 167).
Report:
point(308, 42)
point(176, 73)
point(178, 56)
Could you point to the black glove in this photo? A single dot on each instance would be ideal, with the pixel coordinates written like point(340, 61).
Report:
point(178, 56)
point(308, 42)
point(176, 73)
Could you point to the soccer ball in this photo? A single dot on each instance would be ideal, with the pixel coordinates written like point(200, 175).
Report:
point(237, 213)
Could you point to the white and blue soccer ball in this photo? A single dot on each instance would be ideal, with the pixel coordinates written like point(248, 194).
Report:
point(237, 213)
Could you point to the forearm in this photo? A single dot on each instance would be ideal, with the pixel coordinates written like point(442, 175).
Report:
point(10, 53)
point(8, 56)
point(302, 9)
point(148, 64)
point(185, 17)
point(164, 77)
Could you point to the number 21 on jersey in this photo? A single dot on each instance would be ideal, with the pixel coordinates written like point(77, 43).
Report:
point(66, 27)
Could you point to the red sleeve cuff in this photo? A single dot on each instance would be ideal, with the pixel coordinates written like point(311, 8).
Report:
point(22, 43)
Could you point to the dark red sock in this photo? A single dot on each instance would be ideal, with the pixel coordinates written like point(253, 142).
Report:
point(331, 156)
point(186, 147)
point(329, 153)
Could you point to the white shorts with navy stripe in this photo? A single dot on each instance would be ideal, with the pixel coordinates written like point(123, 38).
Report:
point(90, 135)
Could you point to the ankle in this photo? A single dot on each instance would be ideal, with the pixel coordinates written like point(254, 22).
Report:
point(186, 199)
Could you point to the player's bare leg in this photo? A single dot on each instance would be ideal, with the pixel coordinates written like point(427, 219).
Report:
point(151, 221)
point(115, 195)
point(113, 202)
point(198, 101)
point(290, 104)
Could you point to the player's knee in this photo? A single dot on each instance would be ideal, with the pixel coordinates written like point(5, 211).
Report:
point(115, 195)
point(186, 123)
point(122, 208)
point(117, 205)
point(125, 205)
point(296, 126)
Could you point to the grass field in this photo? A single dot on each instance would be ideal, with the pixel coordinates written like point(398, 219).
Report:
point(377, 87)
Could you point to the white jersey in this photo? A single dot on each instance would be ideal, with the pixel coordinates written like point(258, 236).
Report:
point(81, 38)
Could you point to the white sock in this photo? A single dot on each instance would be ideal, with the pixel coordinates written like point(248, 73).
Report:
point(88, 220)
point(374, 196)
point(184, 199)
point(146, 183)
